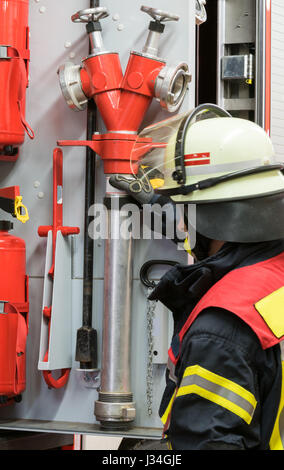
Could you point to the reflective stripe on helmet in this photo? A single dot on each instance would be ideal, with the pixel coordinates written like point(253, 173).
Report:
point(222, 168)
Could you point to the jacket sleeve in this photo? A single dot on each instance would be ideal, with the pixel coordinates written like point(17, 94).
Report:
point(218, 399)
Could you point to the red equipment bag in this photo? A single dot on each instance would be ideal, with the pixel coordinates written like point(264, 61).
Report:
point(14, 73)
point(14, 309)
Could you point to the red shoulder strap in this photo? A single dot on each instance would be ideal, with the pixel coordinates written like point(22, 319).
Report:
point(238, 291)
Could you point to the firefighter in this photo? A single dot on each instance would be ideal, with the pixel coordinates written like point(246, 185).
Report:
point(224, 376)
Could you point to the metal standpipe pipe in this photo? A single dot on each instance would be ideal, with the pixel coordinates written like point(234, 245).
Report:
point(115, 408)
point(122, 101)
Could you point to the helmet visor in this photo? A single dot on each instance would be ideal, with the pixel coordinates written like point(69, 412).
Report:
point(159, 148)
point(151, 150)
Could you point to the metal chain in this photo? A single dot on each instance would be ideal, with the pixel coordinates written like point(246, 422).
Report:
point(151, 306)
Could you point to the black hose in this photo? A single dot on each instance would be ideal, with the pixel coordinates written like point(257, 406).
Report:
point(86, 347)
point(89, 201)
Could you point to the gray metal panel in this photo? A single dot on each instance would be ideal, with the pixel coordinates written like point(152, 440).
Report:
point(277, 78)
point(57, 332)
point(75, 402)
point(53, 38)
point(236, 29)
point(240, 15)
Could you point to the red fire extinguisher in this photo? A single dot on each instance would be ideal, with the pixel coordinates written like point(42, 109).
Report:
point(14, 73)
point(14, 308)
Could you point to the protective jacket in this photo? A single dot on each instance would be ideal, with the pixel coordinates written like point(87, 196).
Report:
point(224, 377)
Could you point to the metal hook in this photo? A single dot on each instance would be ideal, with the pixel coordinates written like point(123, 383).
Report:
point(149, 264)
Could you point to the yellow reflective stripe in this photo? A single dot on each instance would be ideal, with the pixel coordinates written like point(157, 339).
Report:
point(168, 410)
point(219, 390)
point(222, 381)
point(218, 400)
point(277, 436)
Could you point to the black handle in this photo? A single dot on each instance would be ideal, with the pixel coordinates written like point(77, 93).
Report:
point(148, 265)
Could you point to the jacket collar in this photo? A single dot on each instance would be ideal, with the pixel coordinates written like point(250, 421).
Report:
point(184, 285)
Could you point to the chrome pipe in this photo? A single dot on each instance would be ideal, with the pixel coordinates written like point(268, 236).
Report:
point(115, 408)
point(151, 46)
point(96, 42)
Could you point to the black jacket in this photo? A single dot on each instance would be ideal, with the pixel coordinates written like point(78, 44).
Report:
point(223, 345)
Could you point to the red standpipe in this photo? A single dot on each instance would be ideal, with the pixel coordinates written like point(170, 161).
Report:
point(14, 73)
point(122, 101)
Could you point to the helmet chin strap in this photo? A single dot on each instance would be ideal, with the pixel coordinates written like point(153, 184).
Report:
point(210, 182)
point(202, 247)
point(205, 247)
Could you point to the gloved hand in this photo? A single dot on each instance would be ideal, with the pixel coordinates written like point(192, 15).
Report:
point(139, 187)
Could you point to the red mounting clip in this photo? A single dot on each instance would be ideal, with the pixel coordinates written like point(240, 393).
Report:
point(43, 232)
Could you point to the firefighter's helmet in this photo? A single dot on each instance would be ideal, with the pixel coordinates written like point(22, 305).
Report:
point(225, 166)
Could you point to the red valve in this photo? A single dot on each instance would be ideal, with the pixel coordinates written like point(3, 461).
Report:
point(122, 101)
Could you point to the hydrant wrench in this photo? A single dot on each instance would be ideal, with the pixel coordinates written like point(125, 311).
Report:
point(43, 232)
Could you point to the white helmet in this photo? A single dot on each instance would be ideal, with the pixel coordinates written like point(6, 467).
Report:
point(224, 165)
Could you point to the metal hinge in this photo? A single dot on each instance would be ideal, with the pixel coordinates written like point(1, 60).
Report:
point(238, 67)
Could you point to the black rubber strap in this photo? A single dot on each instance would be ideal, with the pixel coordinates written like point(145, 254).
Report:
point(210, 182)
point(179, 174)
